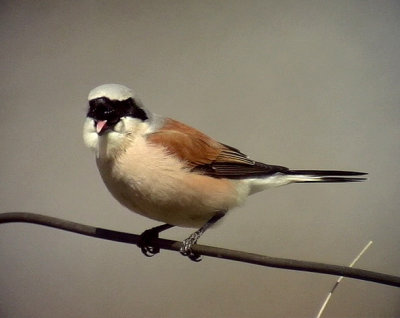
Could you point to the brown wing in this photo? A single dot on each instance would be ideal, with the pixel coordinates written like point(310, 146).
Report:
point(205, 155)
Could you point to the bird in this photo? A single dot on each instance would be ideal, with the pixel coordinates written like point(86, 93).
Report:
point(170, 172)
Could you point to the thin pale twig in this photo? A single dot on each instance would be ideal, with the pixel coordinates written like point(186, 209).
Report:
point(340, 279)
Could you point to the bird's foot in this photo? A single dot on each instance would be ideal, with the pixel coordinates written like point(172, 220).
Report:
point(146, 242)
point(186, 249)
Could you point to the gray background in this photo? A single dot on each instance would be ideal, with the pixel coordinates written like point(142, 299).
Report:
point(306, 84)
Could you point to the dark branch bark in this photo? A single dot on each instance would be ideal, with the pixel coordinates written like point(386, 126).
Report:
point(203, 249)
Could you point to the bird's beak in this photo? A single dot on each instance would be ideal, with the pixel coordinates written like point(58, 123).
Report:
point(101, 126)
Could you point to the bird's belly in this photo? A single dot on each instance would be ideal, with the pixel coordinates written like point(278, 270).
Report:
point(170, 194)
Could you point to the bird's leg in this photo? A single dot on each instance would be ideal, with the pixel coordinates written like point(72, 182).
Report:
point(146, 240)
point(187, 244)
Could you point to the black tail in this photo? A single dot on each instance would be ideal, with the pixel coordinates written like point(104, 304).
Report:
point(325, 176)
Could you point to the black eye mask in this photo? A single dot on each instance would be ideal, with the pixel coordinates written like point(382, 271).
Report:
point(112, 110)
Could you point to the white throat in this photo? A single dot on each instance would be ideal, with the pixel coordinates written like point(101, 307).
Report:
point(112, 142)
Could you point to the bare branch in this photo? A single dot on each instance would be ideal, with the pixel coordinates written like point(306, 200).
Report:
point(204, 249)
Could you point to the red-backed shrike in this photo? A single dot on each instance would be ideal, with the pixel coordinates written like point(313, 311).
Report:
point(173, 173)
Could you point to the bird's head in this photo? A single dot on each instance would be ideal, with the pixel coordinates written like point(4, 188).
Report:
point(113, 114)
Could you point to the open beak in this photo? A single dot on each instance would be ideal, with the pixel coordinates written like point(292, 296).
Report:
point(101, 126)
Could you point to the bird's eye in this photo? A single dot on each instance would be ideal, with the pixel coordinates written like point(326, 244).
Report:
point(113, 110)
point(103, 109)
point(111, 116)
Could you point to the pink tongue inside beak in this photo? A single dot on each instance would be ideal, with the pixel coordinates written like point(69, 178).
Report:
point(102, 124)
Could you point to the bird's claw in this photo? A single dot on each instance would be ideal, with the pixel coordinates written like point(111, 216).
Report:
point(150, 251)
point(146, 243)
point(186, 249)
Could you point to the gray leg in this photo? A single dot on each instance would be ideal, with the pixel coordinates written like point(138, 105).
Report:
point(187, 244)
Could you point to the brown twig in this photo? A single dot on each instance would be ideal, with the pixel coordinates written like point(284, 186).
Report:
point(203, 249)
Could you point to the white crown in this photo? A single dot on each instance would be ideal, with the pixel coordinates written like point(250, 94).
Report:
point(111, 91)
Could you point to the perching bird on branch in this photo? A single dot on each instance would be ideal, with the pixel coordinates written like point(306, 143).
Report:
point(170, 172)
